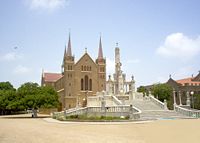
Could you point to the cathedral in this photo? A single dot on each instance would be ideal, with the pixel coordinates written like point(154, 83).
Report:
point(78, 80)
point(81, 82)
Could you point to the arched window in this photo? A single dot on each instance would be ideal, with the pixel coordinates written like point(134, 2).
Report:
point(84, 68)
point(90, 85)
point(82, 84)
point(86, 82)
point(87, 68)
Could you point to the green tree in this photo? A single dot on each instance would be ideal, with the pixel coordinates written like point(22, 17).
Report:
point(196, 101)
point(142, 89)
point(6, 86)
point(33, 96)
point(162, 91)
point(7, 96)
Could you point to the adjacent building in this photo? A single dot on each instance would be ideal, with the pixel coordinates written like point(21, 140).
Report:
point(183, 89)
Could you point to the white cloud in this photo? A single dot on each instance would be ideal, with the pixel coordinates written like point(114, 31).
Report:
point(134, 61)
point(110, 65)
point(49, 5)
point(10, 57)
point(21, 70)
point(178, 45)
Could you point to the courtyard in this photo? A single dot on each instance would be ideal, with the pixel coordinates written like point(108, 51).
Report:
point(23, 129)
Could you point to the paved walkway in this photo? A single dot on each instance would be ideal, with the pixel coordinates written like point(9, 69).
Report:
point(28, 130)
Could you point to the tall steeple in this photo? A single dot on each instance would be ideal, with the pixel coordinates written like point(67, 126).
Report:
point(100, 54)
point(69, 51)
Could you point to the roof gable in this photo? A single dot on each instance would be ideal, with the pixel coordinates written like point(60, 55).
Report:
point(172, 82)
point(51, 77)
point(197, 78)
point(85, 57)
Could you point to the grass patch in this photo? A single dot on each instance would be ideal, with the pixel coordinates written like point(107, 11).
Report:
point(90, 118)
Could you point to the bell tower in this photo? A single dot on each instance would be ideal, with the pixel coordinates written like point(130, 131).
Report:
point(101, 63)
point(68, 76)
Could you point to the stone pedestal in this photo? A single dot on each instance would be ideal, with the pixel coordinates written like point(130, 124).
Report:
point(180, 101)
point(188, 98)
point(174, 96)
point(165, 105)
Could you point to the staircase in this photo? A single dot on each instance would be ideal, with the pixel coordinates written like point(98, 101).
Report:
point(151, 111)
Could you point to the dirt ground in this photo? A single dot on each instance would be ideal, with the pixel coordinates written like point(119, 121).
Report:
point(21, 129)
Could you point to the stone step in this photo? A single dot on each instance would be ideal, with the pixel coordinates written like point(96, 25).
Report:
point(151, 111)
point(146, 105)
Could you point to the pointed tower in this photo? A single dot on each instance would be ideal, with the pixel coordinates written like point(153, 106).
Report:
point(100, 54)
point(68, 76)
point(117, 69)
point(101, 63)
point(63, 63)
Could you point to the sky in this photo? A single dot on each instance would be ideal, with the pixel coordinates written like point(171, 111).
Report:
point(156, 38)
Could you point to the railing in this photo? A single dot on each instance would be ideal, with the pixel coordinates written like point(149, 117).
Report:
point(116, 100)
point(121, 110)
point(158, 102)
point(187, 112)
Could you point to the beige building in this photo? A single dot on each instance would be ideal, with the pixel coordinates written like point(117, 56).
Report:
point(78, 80)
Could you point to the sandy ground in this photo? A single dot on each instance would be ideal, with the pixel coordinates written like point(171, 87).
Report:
point(28, 130)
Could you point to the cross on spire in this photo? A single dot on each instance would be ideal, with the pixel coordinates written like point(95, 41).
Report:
point(117, 44)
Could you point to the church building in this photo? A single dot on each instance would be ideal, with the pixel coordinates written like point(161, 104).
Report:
point(78, 79)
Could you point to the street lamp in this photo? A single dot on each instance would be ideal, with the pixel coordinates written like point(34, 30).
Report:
point(192, 93)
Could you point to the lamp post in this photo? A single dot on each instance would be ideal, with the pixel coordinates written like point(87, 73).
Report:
point(192, 93)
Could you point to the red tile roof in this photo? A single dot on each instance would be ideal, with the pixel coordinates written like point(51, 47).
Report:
point(52, 77)
point(188, 81)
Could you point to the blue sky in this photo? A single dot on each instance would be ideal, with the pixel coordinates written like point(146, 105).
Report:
point(156, 37)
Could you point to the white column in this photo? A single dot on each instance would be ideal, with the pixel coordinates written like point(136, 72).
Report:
point(188, 99)
point(179, 94)
point(174, 95)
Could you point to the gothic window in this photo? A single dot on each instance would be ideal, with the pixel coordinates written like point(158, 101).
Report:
point(90, 68)
point(90, 85)
point(69, 94)
point(81, 84)
point(84, 68)
point(86, 82)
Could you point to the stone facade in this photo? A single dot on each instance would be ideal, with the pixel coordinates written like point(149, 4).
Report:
point(119, 85)
point(78, 80)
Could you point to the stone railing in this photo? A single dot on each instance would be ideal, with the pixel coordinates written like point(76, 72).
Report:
point(114, 111)
point(187, 112)
point(116, 100)
point(158, 102)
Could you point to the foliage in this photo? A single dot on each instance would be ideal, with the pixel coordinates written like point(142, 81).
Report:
point(6, 86)
point(143, 90)
point(88, 118)
point(163, 91)
point(28, 95)
point(196, 101)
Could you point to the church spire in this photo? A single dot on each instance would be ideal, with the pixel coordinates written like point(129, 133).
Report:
point(69, 51)
point(100, 55)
